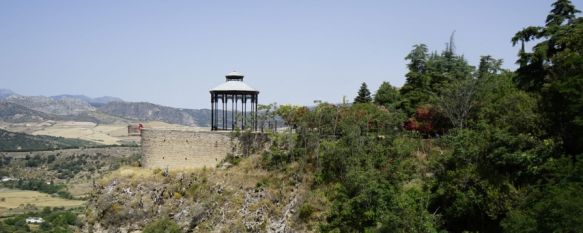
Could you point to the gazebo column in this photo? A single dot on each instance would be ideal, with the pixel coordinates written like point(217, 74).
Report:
point(224, 112)
point(216, 103)
point(252, 112)
point(256, 101)
point(245, 111)
point(212, 111)
point(217, 112)
point(232, 112)
point(236, 109)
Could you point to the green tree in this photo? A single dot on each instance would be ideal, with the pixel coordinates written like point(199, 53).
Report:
point(500, 104)
point(477, 183)
point(552, 206)
point(363, 94)
point(444, 69)
point(430, 74)
point(563, 11)
point(489, 66)
point(416, 89)
point(387, 95)
point(554, 71)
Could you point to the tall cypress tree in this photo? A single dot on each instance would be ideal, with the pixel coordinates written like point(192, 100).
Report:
point(363, 95)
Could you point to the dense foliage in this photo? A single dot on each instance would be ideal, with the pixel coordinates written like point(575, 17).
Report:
point(40, 185)
point(456, 149)
point(55, 220)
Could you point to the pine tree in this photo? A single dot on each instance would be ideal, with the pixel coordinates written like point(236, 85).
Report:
point(553, 71)
point(363, 95)
point(488, 66)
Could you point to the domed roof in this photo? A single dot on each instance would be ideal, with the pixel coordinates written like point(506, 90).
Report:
point(234, 86)
point(234, 83)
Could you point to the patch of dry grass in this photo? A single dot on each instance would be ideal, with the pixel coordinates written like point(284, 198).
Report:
point(13, 199)
point(128, 173)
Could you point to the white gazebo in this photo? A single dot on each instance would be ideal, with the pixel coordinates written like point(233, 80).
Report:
point(243, 100)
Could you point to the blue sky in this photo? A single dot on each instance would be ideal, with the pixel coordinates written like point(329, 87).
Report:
point(173, 52)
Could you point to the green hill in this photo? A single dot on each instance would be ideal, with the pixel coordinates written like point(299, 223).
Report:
point(11, 141)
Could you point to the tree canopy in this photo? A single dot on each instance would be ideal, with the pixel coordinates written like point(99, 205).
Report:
point(363, 95)
point(456, 149)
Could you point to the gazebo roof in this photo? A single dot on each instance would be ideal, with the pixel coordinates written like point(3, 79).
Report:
point(234, 86)
point(234, 83)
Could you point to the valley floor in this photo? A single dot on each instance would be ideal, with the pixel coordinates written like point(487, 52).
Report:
point(107, 134)
point(13, 201)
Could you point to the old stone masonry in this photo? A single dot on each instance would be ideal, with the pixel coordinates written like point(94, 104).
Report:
point(178, 149)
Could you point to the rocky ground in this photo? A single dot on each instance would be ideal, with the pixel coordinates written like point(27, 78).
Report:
point(240, 198)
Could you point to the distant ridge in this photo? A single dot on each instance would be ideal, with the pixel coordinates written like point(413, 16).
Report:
point(11, 112)
point(63, 106)
point(96, 102)
point(17, 108)
point(15, 113)
point(148, 111)
point(5, 93)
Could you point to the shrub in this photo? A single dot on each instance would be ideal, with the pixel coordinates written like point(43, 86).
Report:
point(164, 225)
point(306, 211)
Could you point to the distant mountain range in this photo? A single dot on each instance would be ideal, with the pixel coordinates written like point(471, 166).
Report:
point(5, 93)
point(99, 101)
point(18, 108)
point(149, 111)
point(62, 106)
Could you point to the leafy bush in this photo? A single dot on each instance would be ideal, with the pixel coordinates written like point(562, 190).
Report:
point(164, 225)
point(56, 220)
point(306, 211)
point(39, 185)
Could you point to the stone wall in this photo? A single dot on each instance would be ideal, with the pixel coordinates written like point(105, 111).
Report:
point(177, 149)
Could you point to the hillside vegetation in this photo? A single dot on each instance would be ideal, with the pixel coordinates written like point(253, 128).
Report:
point(481, 150)
point(53, 185)
point(11, 141)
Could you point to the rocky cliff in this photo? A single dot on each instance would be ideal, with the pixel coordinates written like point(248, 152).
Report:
point(242, 198)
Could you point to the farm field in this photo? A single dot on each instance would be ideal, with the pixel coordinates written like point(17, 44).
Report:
point(107, 134)
point(14, 201)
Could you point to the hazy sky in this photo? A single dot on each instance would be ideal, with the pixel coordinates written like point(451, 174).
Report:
point(173, 52)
